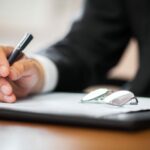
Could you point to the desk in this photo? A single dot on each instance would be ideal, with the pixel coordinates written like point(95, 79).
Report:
point(34, 136)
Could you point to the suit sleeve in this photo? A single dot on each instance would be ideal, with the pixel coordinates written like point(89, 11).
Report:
point(94, 44)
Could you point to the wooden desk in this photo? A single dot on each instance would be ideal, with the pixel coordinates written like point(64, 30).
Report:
point(30, 136)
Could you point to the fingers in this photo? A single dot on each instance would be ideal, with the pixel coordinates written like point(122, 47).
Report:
point(24, 78)
point(4, 65)
point(6, 91)
point(7, 98)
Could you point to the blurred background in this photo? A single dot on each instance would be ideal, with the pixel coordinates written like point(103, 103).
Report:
point(49, 21)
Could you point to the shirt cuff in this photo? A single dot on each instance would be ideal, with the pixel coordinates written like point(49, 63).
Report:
point(50, 72)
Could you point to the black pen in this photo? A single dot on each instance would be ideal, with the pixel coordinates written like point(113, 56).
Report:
point(20, 47)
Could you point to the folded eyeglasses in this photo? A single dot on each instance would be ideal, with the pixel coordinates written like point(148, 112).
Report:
point(118, 98)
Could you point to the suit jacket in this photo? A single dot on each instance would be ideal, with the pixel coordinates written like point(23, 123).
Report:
point(97, 41)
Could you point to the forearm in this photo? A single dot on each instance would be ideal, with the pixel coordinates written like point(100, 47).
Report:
point(92, 47)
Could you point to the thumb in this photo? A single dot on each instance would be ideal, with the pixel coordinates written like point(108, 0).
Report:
point(21, 68)
point(27, 73)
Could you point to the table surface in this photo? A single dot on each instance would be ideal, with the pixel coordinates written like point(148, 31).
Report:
point(36, 136)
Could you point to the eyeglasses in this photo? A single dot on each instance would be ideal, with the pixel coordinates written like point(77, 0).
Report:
point(118, 98)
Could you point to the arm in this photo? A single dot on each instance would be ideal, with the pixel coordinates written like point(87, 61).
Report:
point(93, 46)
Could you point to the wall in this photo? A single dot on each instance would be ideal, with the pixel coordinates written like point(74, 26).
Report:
point(48, 20)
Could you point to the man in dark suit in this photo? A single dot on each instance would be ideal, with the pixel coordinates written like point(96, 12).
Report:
point(94, 45)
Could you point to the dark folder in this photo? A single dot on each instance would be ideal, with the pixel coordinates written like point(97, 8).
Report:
point(135, 120)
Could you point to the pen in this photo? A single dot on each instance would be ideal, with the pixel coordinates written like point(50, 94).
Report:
point(20, 47)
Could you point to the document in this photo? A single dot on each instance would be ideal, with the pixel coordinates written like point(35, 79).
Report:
point(69, 104)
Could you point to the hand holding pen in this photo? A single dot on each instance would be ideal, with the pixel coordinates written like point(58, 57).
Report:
point(18, 77)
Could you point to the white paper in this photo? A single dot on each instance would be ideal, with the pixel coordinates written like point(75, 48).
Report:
point(69, 104)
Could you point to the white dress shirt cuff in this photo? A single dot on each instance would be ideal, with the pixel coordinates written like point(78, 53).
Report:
point(50, 72)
